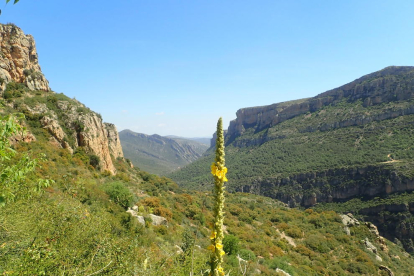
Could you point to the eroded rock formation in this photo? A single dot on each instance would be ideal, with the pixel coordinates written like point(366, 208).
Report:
point(19, 60)
point(394, 83)
point(69, 122)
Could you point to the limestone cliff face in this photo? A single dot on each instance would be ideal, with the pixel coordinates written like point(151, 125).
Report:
point(88, 131)
point(19, 60)
point(114, 142)
point(308, 189)
point(69, 122)
point(394, 83)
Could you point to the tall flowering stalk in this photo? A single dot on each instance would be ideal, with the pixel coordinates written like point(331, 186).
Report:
point(219, 171)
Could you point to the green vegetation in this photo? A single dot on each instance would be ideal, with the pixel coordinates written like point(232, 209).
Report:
point(79, 225)
point(219, 170)
point(118, 193)
point(16, 170)
point(299, 146)
point(157, 154)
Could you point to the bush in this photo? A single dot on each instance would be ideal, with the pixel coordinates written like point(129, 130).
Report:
point(163, 212)
point(247, 255)
point(231, 244)
point(152, 202)
point(118, 193)
point(94, 161)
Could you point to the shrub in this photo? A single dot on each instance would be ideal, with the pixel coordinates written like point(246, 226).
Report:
point(94, 161)
point(118, 193)
point(163, 212)
point(247, 255)
point(231, 244)
point(152, 202)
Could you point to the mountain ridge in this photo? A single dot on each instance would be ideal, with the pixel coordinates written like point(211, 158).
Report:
point(349, 142)
point(159, 154)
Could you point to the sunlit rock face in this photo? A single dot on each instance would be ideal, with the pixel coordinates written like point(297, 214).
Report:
point(19, 60)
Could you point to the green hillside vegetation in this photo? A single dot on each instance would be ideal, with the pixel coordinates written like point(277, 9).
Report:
point(294, 149)
point(78, 225)
point(157, 154)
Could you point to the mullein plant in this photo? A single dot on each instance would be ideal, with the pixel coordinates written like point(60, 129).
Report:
point(219, 171)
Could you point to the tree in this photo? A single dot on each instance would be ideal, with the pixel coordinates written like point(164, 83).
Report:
point(14, 182)
point(14, 2)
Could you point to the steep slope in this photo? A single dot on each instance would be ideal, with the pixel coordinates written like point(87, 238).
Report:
point(19, 60)
point(79, 225)
point(25, 89)
point(353, 141)
point(157, 154)
point(201, 140)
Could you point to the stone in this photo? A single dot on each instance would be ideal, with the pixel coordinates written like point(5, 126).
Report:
point(382, 267)
point(369, 246)
point(157, 220)
point(134, 213)
point(378, 258)
point(114, 143)
point(349, 220)
point(284, 273)
point(141, 220)
point(19, 59)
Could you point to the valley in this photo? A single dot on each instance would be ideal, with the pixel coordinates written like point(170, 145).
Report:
point(318, 186)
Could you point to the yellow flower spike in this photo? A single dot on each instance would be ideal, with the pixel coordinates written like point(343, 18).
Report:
point(213, 169)
point(219, 171)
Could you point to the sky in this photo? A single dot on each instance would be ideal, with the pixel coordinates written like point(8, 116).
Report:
point(172, 67)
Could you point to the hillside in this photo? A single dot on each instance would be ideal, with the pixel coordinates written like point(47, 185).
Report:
point(202, 140)
point(350, 142)
point(79, 224)
point(158, 154)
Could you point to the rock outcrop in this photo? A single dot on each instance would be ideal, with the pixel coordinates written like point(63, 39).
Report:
point(69, 122)
point(88, 131)
point(19, 60)
point(390, 84)
point(114, 143)
point(308, 189)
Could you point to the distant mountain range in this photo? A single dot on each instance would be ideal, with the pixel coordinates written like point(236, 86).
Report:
point(158, 154)
point(202, 140)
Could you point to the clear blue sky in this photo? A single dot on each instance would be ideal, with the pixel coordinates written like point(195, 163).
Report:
point(175, 67)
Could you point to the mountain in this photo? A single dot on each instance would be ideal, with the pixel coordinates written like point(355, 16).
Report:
point(158, 154)
point(201, 140)
point(81, 223)
point(354, 141)
point(71, 124)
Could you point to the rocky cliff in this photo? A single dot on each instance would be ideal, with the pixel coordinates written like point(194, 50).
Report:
point(335, 185)
point(19, 60)
point(351, 142)
point(390, 84)
point(70, 124)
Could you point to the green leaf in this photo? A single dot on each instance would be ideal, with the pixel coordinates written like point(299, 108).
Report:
point(7, 1)
point(15, 1)
point(2, 201)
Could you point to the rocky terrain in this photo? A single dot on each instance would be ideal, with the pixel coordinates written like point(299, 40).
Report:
point(81, 221)
point(350, 142)
point(390, 84)
point(26, 90)
point(158, 154)
point(19, 60)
